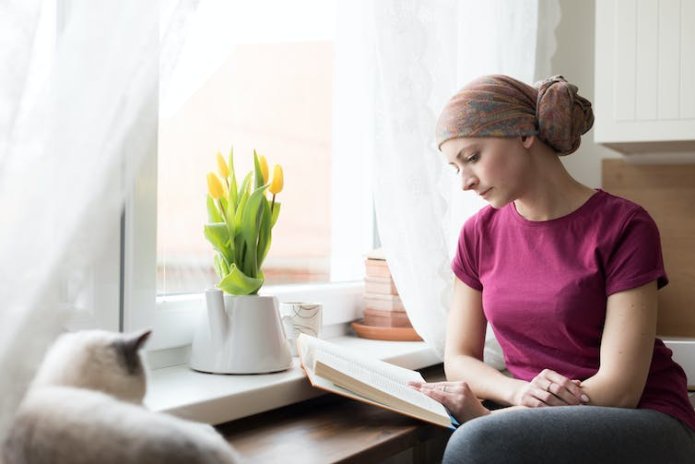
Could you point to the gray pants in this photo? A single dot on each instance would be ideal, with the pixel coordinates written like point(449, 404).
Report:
point(572, 434)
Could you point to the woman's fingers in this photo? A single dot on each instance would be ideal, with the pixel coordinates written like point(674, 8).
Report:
point(563, 388)
point(458, 398)
point(554, 389)
point(415, 384)
point(568, 395)
point(437, 394)
point(444, 386)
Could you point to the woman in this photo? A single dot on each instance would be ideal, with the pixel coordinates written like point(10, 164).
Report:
point(567, 277)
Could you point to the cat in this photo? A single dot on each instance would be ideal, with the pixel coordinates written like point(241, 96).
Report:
point(85, 406)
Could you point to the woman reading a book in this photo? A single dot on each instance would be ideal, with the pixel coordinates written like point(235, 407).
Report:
point(567, 277)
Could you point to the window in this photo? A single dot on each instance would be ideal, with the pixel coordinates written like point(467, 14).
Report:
point(268, 88)
point(250, 81)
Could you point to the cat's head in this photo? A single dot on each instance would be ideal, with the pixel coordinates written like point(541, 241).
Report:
point(108, 362)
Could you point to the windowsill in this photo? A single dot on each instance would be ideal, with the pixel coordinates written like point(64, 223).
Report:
point(216, 399)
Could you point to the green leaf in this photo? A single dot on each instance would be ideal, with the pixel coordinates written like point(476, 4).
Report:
point(213, 212)
point(240, 249)
point(224, 265)
point(244, 195)
point(221, 266)
point(223, 206)
point(250, 223)
point(264, 234)
point(238, 283)
point(257, 170)
point(218, 236)
point(218, 267)
point(229, 215)
point(233, 193)
point(276, 213)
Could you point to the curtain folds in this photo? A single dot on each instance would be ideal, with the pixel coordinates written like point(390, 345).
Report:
point(423, 52)
point(78, 114)
point(78, 99)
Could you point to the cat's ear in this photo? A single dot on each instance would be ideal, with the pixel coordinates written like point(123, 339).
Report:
point(135, 342)
point(128, 347)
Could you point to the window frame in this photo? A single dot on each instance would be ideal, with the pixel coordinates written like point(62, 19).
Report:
point(173, 318)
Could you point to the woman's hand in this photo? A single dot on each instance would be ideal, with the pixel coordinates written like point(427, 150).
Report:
point(457, 397)
point(551, 389)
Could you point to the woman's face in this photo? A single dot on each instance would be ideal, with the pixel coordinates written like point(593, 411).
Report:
point(496, 168)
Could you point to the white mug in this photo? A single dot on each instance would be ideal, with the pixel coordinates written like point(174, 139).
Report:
point(301, 317)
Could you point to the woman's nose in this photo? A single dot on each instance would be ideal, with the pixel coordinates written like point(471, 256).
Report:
point(468, 182)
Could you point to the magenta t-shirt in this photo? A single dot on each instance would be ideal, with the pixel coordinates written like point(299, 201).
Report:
point(545, 285)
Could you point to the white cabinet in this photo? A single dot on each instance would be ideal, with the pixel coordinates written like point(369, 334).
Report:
point(645, 75)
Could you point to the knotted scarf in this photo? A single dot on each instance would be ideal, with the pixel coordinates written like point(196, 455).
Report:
point(500, 106)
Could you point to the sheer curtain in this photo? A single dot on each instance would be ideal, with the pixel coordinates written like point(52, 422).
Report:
point(423, 52)
point(79, 92)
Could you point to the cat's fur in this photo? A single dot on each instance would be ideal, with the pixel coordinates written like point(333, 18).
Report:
point(85, 406)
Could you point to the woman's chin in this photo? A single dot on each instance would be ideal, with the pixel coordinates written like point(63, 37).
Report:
point(496, 202)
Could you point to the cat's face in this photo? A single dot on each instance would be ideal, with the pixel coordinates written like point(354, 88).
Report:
point(97, 360)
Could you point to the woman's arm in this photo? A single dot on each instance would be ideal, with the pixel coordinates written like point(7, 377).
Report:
point(465, 342)
point(627, 346)
point(463, 361)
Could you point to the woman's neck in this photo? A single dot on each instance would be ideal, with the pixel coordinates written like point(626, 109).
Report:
point(552, 192)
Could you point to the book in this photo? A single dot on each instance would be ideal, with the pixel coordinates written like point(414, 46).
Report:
point(377, 253)
point(383, 302)
point(338, 370)
point(379, 318)
point(382, 285)
point(376, 268)
point(396, 299)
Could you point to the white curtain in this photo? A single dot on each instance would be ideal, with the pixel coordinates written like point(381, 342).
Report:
point(423, 52)
point(78, 111)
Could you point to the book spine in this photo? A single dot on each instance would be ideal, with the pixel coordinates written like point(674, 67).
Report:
point(377, 268)
point(381, 285)
point(386, 323)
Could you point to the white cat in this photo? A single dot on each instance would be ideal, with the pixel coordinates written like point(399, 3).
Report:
point(85, 407)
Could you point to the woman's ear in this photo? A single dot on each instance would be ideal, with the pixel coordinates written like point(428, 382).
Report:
point(528, 140)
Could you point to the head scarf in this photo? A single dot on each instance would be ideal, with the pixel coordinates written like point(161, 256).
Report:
point(500, 106)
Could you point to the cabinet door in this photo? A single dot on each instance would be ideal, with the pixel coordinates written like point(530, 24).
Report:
point(667, 192)
point(645, 75)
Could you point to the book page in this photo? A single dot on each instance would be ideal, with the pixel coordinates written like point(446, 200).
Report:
point(381, 385)
point(308, 346)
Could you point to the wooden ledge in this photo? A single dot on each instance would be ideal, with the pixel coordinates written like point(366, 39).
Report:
point(334, 429)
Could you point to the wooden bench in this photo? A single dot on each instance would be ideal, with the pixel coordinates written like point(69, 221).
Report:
point(335, 429)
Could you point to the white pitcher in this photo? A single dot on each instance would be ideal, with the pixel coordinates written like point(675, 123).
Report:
point(240, 335)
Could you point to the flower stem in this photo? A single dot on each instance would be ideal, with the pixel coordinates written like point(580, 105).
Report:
point(224, 215)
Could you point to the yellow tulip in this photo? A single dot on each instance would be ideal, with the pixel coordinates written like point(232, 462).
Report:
point(222, 165)
point(215, 186)
point(263, 163)
point(276, 185)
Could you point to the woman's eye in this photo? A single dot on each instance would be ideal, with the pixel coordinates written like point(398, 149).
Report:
point(473, 158)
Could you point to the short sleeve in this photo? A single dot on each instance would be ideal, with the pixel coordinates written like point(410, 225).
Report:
point(636, 257)
point(465, 262)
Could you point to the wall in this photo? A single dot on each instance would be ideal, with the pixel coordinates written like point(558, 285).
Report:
point(574, 59)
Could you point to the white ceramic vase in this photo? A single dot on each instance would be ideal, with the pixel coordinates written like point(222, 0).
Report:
point(240, 335)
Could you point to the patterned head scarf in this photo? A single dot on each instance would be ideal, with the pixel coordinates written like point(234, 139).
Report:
point(499, 106)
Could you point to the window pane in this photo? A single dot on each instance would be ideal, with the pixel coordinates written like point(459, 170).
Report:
point(272, 96)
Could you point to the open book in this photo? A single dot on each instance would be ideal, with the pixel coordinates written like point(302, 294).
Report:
point(337, 370)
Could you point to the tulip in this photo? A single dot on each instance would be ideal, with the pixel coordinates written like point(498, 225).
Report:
point(276, 185)
point(222, 166)
point(264, 168)
point(215, 186)
point(240, 224)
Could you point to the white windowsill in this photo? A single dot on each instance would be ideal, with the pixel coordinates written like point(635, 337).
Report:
point(216, 399)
